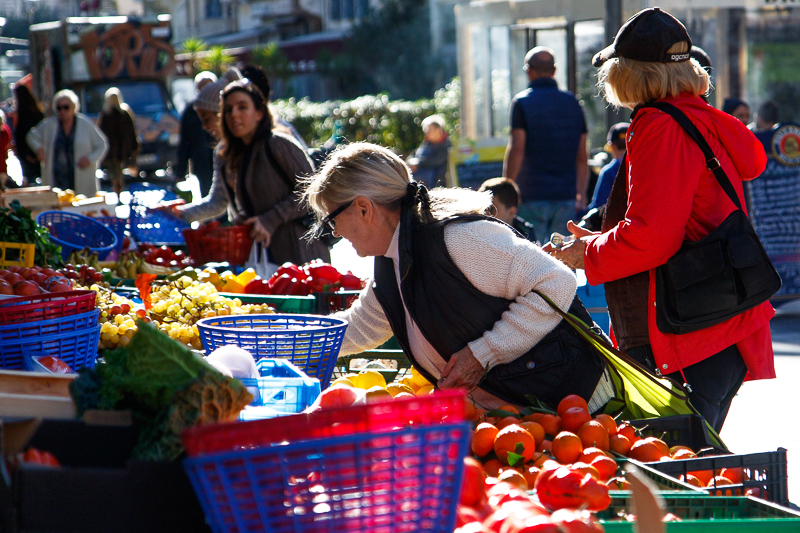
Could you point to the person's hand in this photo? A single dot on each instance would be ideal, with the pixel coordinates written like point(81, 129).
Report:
point(83, 162)
point(259, 233)
point(580, 203)
point(572, 252)
point(461, 371)
point(170, 207)
point(40, 154)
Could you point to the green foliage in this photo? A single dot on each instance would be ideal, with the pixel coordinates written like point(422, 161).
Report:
point(272, 61)
point(395, 124)
point(17, 225)
point(389, 50)
point(216, 60)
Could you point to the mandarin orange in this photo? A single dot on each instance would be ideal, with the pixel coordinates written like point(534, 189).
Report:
point(567, 447)
point(483, 439)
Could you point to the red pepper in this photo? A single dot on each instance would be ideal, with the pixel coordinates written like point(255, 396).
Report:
point(324, 271)
point(257, 286)
point(38, 457)
point(281, 284)
point(299, 288)
point(350, 282)
point(563, 488)
point(292, 270)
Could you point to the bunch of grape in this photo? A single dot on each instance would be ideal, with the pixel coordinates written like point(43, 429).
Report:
point(178, 305)
point(117, 318)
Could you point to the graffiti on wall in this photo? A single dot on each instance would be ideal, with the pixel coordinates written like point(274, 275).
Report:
point(127, 51)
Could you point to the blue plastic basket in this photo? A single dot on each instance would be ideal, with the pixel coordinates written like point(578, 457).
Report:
point(66, 324)
point(75, 232)
point(118, 226)
point(310, 342)
point(282, 387)
point(78, 349)
point(402, 481)
point(155, 227)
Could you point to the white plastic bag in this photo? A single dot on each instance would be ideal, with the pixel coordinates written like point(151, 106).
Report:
point(258, 261)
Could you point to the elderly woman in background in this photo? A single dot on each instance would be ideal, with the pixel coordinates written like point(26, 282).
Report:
point(456, 288)
point(666, 194)
point(116, 123)
point(69, 146)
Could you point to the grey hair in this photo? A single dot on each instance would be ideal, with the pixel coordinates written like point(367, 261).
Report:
point(437, 120)
point(205, 75)
point(113, 91)
point(378, 174)
point(66, 94)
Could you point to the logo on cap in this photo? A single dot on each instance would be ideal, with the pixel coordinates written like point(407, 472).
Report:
point(680, 57)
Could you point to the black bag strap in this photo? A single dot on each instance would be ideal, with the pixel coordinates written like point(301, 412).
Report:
point(712, 163)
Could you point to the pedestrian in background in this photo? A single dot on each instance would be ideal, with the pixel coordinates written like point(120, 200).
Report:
point(69, 146)
point(116, 122)
point(429, 163)
point(5, 145)
point(669, 195)
point(547, 154)
point(615, 145)
point(738, 108)
point(505, 204)
point(766, 116)
point(29, 114)
point(196, 144)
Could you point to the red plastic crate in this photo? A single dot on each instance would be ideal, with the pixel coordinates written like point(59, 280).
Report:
point(231, 244)
point(46, 306)
point(446, 406)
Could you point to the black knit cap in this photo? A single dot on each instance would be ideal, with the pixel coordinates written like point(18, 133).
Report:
point(647, 36)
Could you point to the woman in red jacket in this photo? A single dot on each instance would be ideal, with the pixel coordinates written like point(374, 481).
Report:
point(662, 196)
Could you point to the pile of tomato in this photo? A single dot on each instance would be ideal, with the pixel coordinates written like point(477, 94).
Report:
point(164, 256)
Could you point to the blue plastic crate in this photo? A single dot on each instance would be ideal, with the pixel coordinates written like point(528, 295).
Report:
point(75, 232)
point(118, 226)
point(404, 481)
point(78, 349)
point(155, 227)
point(310, 342)
point(54, 326)
point(282, 388)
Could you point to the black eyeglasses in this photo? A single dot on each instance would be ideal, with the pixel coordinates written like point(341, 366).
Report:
point(62, 108)
point(328, 220)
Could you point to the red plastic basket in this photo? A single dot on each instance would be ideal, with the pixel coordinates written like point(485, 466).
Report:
point(45, 306)
point(393, 467)
point(446, 406)
point(231, 244)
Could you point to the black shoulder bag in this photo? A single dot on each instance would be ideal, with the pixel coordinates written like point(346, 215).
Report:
point(720, 276)
point(327, 238)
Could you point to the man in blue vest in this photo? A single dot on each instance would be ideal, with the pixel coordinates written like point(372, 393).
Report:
point(547, 155)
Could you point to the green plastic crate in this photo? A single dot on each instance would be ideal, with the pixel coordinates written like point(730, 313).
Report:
point(707, 514)
point(296, 305)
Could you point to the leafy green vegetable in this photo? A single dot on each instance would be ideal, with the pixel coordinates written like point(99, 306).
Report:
point(17, 225)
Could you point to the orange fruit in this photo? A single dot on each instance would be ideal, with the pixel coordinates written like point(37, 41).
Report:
point(534, 429)
point(567, 447)
point(619, 444)
point(606, 466)
point(584, 468)
point(507, 421)
point(588, 454)
point(533, 417)
point(691, 480)
point(675, 449)
point(545, 446)
point(513, 477)
point(618, 483)
point(733, 474)
point(703, 476)
point(573, 400)
point(660, 444)
point(337, 396)
point(539, 459)
point(573, 418)
point(509, 409)
point(470, 412)
point(593, 434)
point(530, 474)
point(645, 451)
point(480, 414)
point(684, 454)
point(551, 424)
point(472, 485)
point(628, 431)
point(608, 422)
point(492, 467)
point(509, 439)
point(483, 439)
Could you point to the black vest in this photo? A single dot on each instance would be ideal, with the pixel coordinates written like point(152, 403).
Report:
point(451, 313)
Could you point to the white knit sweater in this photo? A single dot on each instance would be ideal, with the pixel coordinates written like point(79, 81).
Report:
point(497, 263)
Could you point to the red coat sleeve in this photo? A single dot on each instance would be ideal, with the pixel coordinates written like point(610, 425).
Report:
point(5, 144)
point(664, 168)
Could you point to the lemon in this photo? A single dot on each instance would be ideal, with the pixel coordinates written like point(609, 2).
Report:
point(418, 379)
point(378, 394)
point(368, 379)
point(424, 391)
point(409, 383)
point(342, 381)
point(396, 388)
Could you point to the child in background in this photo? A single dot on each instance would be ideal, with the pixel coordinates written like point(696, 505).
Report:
point(506, 199)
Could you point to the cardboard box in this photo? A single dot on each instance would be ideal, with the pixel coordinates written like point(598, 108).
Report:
point(37, 199)
point(97, 488)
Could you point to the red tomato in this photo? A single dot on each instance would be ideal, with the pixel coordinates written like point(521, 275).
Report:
point(34, 456)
